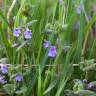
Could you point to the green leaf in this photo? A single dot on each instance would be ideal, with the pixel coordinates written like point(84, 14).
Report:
point(78, 85)
point(22, 90)
point(51, 86)
point(31, 22)
point(86, 93)
point(4, 60)
point(39, 83)
point(9, 88)
point(21, 46)
point(69, 93)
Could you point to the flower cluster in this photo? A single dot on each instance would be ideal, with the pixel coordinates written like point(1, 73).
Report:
point(4, 72)
point(89, 85)
point(27, 34)
point(52, 49)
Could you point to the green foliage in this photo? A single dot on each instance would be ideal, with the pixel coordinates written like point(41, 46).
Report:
point(59, 22)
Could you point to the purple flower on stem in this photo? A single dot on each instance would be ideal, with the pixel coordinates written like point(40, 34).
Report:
point(90, 85)
point(27, 34)
point(14, 44)
point(4, 69)
point(19, 77)
point(52, 51)
point(2, 80)
point(79, 9)
point(16, 32)
point(60, 2)
point(85, 81)
point(46, 44)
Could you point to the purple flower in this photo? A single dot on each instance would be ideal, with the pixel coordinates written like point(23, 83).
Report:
point(14, 44)
point(19, 77)
point(46, 44)
point(52, 51)
point(4, 69)
point(16, 32)
point(79, 10)
point(90, 85)
point(85, 81)
point(27, 34)
point(2, 80)
point(60, 2)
